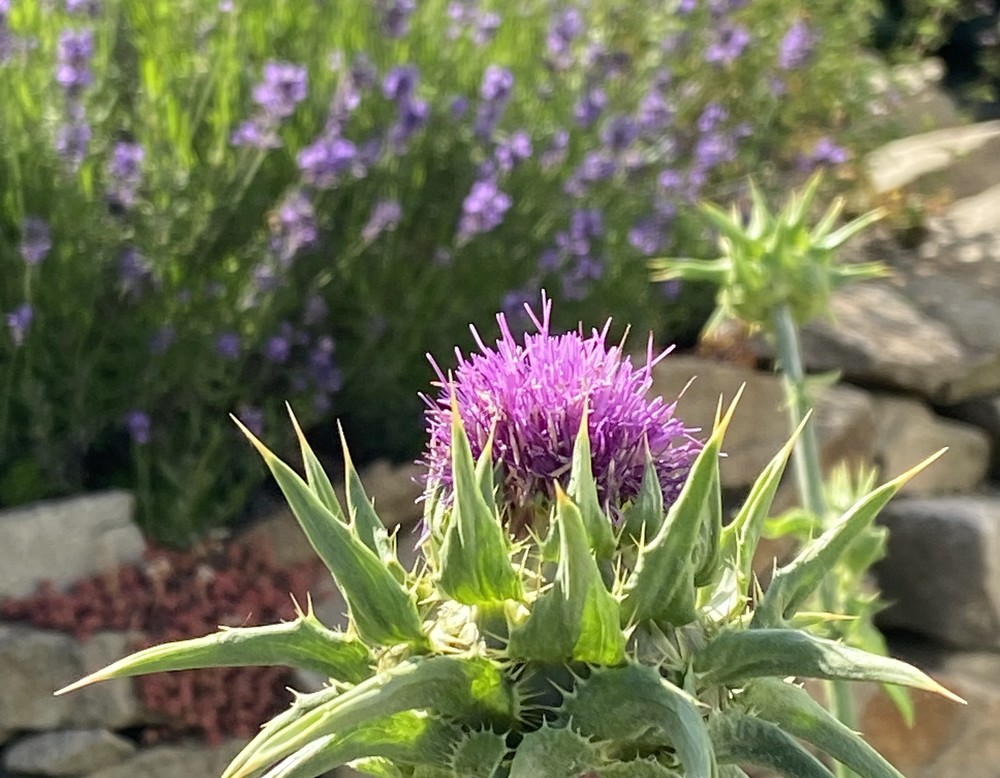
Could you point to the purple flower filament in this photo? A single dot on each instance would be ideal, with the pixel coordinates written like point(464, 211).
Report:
point(532, 395)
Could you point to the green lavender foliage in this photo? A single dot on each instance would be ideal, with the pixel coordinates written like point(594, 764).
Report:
point(494, 661)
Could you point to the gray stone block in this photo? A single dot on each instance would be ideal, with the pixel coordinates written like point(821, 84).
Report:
point(67, 752)
point(66, 540)
point(942, 569)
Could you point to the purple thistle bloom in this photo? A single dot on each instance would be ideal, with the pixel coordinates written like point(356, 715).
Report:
point(36, 240)
point(18, 322)
point(138, 424)
point(729, 44)
point(385, 217)
point(327, 160)
point(284, 86)
point(125, 173)
point(396, 17)
point(482, 210)
point(227, 345)
point(796, 46)
point(532, 396)
point(72, 142)
point(76, 47)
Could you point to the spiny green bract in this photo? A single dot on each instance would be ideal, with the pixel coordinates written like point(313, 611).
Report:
point(542, 658)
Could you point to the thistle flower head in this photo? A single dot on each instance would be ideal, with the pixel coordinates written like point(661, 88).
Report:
point(531, 396)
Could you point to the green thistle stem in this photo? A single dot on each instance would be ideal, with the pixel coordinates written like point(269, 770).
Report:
point(809, 478)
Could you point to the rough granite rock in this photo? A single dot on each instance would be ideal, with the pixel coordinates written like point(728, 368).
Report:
point(942, 570)
point(37, 662)
point(948, 740)
point(984, 413)
point(844, 415)
point(964, 159)
point(190, 760)
point(67, 752)
point(909, 431)
point(66, 540)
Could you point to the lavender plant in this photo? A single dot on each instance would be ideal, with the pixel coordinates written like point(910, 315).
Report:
point(611, 631)
point(209, 204)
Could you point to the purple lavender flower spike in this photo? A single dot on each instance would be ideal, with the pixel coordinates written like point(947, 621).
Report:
point(513, 150)
point(385, 217)
point(796, 47)
point(285, 85)
point(278, 349)
point(76, 47)
point(36, 240)
point(589, 107)
point(125, 173)
point(566, 27)
point(731, 40)
point(89, 7)
point(72, 143)
point(619, 133)
point(294, 229)
point(133, 272)
point(18, 322)
point(255, 134)
point(139, 426)
point(414, 114)
point(396, 17)
point(497, 85)
point(482, 210)
point(826, 152)
point(227, 345)
point(327, 160)
point(531, 396)
point(400, 83)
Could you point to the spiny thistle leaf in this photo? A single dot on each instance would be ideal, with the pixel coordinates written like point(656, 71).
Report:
point(708, 549)
point(409, 737)
point(661, 586)
point(634, 703)
point(583, 489)
point(713, 270)
point(637, 768)
point(477, 754)
point(381, 610)
point(577, 618)
point(366, 523)
point(791, 708)
point(744, 739)
point(467, 688)
point(740, 538)
point(552, 752)
point(735, 656)
point(316, 476)
point(793, 583)
point(644, 515)
point(836, 239)
point(304, 643)
point(475, 567)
